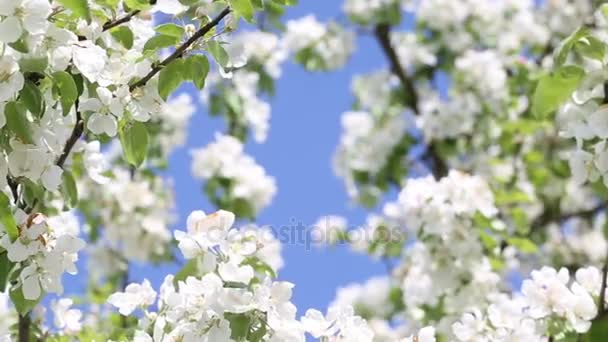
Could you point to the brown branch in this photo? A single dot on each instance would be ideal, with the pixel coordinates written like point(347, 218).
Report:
point(601, 308)
point(24, 325)
point(13, 186)
point(111, 24)
point(551, 216)
point(179, 52)
point(440, 168)
point(382, 33)
point(76, 133)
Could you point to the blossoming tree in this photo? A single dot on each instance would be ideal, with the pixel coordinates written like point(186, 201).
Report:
point(488, 117)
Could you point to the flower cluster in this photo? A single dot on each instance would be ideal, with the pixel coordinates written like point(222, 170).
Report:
point(368, 12)
point(224, 165)
point(256, 59)
point(174, 118)
point(505, 25)
point(42, 252)
point(550, 304)
point(226, 292)
point(317, 46)
point(365, 148)
point(139, 202)
point(441, 214)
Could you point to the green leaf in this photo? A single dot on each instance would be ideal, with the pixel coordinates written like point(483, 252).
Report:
point(189, 269)
point(171, 30)
point(23, 305)
point(20, 46)
point(239, 325)
point(217, 51)
point(33, 64)
point(5, 269)
point(598, 331)
point(604, 10)
point(556, 88)
point(123, 35)
point(17, 122)
point(260, 266)
point(66, 87)
point(243, 8)
point(6, 217)
point(243, 208)
point(79, 7)
point(31, 97)
point(137, 4)
point(561, 53)
point(69, 189)
point(523, 244)
point(591, 47)
point(170, 78)
point(159, 42)
point(197, 69)
point(32, 192)
point(258, 334)
point(135, 139)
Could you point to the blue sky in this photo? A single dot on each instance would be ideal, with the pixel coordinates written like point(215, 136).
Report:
point(305, 130)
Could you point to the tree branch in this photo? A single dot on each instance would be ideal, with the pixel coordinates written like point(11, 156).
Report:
point(549, 216)
point(382, 33)
point(179, 52)
point(76, 133)
point(601, 308)
point(24, 325)
point(111, 24)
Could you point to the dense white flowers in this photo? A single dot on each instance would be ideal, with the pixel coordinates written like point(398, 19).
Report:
point(223, 163)
point(365, 146)
point(43, 253)
point(23, 15)
point(549, 300)
point(339, 324)
point(441, 214)
point(318, 46)
point(506, 25)
point(411, 51)
point(142, 204)
point(228, 282)
point(67, 319)
point(365, 11)
point(135, 296)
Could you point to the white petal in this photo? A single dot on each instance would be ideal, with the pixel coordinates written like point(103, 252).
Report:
point(10, 30)
point(31, 285)
point(172, 7)
point(36, 14)
point(51, 178)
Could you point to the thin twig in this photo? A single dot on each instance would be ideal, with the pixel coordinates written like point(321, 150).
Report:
point(601, 308)
point(382, 33)
point(179, 52)
point(76, 133)
point(111, 24)
point(550, 216)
